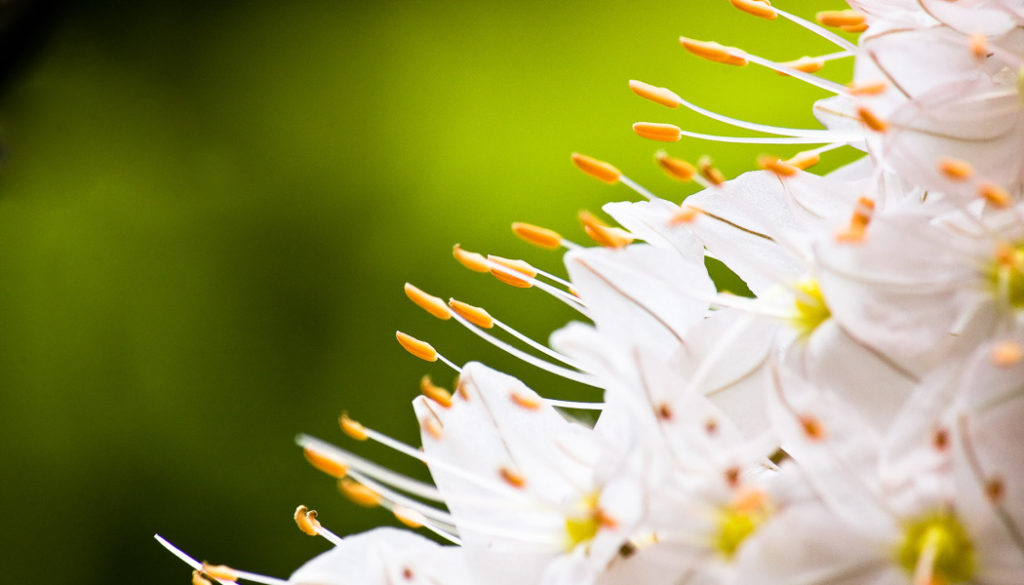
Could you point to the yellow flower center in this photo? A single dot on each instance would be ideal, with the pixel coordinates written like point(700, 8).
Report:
point(582, 527)
point(938, 540)
point(1006, 274)
point(738, 521)
point(810, 306)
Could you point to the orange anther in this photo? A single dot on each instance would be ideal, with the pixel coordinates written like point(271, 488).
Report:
point(411, 518)
point(854, 28)
point(601, 233)
point(658, 95)
point(676, 168)
point(325, 464)
point(875, 87)
point(979, 45)
point(512, 477)
point(840, 18)
point(1007, 353)
point(812, 427)
point(605, 520)
point(537, 235)
point(659, 132)
point(198, 579)
point(352, 428)
point(955, 168)
point(750, 500)
point(804, 160)
point(527, 401)
point(306, 520)
point(709, 172)
point(432, 426)
point(859, 221)
point(775, 165)
point(805, 64)
point(359, 493)
point(429, 303)
point(475, 315)
point(220, 572)
point(713, 51)
point(435, 392)
point(420, 349)
point(871, 120)
point(759, 8)
point(472, 260)
point(514, 267)
point(686, 214)
point(596, 168)
point(994, 194)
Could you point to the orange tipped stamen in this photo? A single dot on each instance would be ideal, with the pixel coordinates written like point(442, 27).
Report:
point(411, 518)
point(359, 493)
point(994, 194)
point(306, 520)
point(868, 87)
point(595, 168)
point(686, 214)
point(676, 168)
point(812, 427)
point(709, 172)
point(777, 166)
point(472, 260)
point(804, 160)
point(713, 51)
point(352, 428)
point(525, 400)
point(435, 392)
point(512, 478)
point(805, 64)
point(420, 349)
point(659, 132)
point(859, 221)
point(872, 120)
point(519, 266)
point(759, 8)
point(603, 234)
point(955, 168)
point(198, 579)
point(1007, 353)
point(220, 572)
point(854, 28)
point(840, 18)
point(325, 464)
point(658, 95)
point(537, 235)
point(475, 315)
point(979, 45)
point(429, 303)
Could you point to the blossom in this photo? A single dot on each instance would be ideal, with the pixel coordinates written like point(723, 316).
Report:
point(852, 417)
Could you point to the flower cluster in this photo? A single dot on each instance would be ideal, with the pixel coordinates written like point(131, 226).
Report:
point(855, 418)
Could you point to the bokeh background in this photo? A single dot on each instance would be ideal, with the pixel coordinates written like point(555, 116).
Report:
point(208, 210)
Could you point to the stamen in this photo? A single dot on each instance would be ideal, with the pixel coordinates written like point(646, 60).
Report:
point(1007, 354)
point(686, 214)
point(709, 171)
point(805, 77)
point(872, 120)
point(840, 18)
point(472, 260)
point(803, 160)
point(222, 574)
point(805, 64)
point(475, 315)
point(659, 132)
point(812, 427)
point(429, 303)
point(776, 165)
point(758, 8)
point(859, 221)
point(861, 88)
point(420, 349)
point(595, 168)
point(658, 95)
point(955, 169)
point(602, 233)
point(435, 392)
point(306, 520)
point(358, 493)
point(512, 477)
point(331, 467)
point(676, 168)
point(397, 480)
point(410, 517)
point(818, 30)
point(979, 45)
point(198, 579)
point(516, 267)
point(994, 194)
point(351, 427)
point(713, 51)
point(538, 236)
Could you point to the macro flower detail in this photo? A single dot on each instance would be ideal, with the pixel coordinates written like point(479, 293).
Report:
point(852, 416)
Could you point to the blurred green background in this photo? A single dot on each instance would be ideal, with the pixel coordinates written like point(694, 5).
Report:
point(208, 209)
